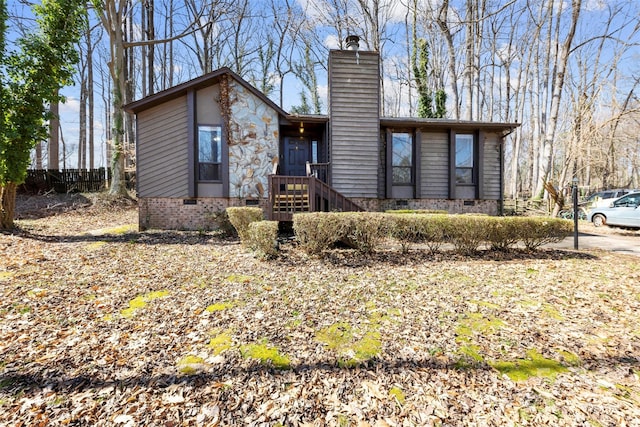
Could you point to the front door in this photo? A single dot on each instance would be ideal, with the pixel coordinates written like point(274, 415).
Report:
point(296, 156)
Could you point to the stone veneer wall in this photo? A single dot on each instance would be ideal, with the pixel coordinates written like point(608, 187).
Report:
point(174, 214)
point(253, 144)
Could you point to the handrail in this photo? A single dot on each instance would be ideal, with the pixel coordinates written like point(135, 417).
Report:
point(327, 199)
point(293, 194)
point(319, 170)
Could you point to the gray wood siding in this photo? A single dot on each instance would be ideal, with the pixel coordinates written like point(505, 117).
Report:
point(162, 138)
point(354, 108)
point(434, 165)
point(492, 171)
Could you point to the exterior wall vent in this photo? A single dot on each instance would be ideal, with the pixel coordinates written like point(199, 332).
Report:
point(353, 42)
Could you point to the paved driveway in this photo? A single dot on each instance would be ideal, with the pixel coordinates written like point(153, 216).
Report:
point(612, 241)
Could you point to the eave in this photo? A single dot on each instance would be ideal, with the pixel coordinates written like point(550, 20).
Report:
point(442, 124)
point(196, 84)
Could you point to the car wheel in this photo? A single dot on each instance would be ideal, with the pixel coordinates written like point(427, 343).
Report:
point(599, 220)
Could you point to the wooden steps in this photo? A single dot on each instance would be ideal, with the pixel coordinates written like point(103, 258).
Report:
point(295, 194)
point(295, 198)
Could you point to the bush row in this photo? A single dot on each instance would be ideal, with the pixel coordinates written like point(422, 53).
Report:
point(365, 231)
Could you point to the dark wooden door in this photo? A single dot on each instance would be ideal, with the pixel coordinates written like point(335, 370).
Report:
point(296, 156)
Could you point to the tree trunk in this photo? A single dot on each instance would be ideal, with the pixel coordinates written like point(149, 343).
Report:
point(451, 52)
point(90, 86)
point(54, 139)
point(558, 83)
point(151, 52)
point(7, 205)
point(82, 134)
point(113, 22)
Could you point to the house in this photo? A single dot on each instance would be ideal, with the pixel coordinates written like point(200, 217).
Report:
point(216, 141)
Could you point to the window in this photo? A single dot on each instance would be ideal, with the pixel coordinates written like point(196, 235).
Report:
point(314, 151)
point(402, 158)
point(465, 154)
point(209, 152)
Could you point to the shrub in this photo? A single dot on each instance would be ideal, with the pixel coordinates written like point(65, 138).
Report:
point(219, 220)
point(468, 232)
point(241, 217)
point(537, 231)
point(364, 230)
point(503, 232)
point(263, 237)
point(317, 231)
point(406, 229)
point(436, 230)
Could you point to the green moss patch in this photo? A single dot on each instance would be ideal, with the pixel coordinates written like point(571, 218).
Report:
point(266, 354)
point(352, 351)
point(220, 342)
point(119, 230)
point(337, 336)
point(95, 245)
point(472, 323)
point(552, 312)
point(486, 304)
point(191, 365)
point(397, 394)
point(141, 301)
point(570, 359)
point(528, 303)
point(535, 365)
point(219, 306)
point(239, 278)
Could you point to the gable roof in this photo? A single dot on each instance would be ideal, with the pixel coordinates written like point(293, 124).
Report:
point(206, 80)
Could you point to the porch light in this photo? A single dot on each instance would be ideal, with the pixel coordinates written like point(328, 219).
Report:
point(301, 128)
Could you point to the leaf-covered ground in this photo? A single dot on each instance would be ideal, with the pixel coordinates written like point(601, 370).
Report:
point(102, 325)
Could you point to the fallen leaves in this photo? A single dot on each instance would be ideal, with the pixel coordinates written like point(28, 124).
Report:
point(385, 340)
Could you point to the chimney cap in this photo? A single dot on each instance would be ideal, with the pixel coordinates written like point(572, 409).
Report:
point(353, 42)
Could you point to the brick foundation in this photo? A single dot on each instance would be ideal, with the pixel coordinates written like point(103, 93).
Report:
point(488, 207)
point(186, 214)
point(200, 214)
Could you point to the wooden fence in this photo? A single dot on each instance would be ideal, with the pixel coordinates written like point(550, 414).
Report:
point(64, 181)
point(525, 207)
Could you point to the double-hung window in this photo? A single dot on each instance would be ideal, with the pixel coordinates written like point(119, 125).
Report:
point(209, 152)
point(465, 159)
point(402, 158)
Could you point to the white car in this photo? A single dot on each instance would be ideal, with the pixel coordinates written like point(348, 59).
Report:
point(603, 199)
point(623, 212)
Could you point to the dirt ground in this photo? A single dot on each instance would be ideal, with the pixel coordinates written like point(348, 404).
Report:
point(102, 325)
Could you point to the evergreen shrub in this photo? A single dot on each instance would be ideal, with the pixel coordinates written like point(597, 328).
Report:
point(263, 238)
point(538, 231)
point(317, 231)
point(365, 231)
point(241, 217)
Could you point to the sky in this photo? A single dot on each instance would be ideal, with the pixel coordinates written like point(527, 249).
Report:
point(70, 110)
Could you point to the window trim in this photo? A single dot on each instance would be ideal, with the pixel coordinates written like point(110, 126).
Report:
point(219, 128)
point(411, 167)
point(474, 160)
point(478, 165)
point(387, 191)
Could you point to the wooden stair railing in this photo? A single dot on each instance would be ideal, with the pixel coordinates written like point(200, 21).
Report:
point(295, 194)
